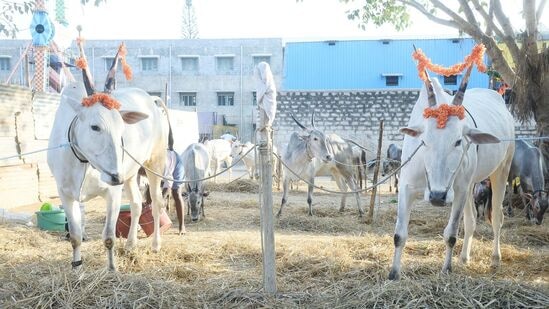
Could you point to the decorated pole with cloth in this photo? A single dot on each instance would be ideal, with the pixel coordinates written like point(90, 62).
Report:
point(266, 103)
point(42, 33)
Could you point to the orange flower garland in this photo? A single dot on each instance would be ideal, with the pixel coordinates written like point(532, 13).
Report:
point(105, 99)
point(81, 63)
point(442, 112)
point(122, 52)
point(475, 57)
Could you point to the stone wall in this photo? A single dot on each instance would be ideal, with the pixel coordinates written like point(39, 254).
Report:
point(353, 114)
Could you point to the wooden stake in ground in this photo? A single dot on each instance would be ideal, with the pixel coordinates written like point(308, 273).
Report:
point(370, 218)
point(266, 102)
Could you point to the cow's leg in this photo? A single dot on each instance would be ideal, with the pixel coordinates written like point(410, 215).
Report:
point(450, 232)
point(510, 199)
point(134, 195)
point(72, 211)
point(354, 187)
point(469, 225)
point(285, 185)
point(396, 183)
point(229, 162)
point(343, 188)
point(498, 193)
point(310, 195)
point(156, 195)
point(405, 200)
point(113, 209)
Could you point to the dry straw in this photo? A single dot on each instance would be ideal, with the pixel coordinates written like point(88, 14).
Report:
point(330, 260)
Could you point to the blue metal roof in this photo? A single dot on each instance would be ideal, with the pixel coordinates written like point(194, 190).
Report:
point(360, 65)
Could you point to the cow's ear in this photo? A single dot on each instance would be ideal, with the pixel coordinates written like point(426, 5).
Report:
point(72, 94)
point(130, 117)
point(412, 131)
point(478, 137)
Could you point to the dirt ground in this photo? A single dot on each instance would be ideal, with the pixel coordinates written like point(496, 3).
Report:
point(329, 260)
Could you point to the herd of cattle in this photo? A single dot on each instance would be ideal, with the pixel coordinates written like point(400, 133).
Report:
point(109, 143)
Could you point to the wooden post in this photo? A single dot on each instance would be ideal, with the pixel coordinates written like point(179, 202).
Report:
point(376, 172)
point(266, 197)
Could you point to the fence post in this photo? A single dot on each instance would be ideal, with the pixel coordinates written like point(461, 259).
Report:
point(266, 103)
point(267, 218)
point(376, 172)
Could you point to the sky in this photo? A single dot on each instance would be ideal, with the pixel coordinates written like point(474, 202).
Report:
point(286, 19)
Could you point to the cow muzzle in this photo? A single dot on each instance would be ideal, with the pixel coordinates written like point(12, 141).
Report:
point(114, 179)
point(438, 198)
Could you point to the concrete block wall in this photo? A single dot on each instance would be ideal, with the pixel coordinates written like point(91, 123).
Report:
point(355, 115)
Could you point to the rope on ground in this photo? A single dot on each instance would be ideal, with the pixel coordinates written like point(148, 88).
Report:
point(186, 181)
point(357, 191)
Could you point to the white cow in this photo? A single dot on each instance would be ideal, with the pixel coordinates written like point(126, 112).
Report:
point(446, 166)
point(219, 151)
point(238, 149)
point(96, 165)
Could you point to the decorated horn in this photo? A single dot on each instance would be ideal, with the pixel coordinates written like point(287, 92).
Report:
point(313, 120)
point(429, 86)
point(110, 82)
point(298, 123)
point(430, 92)
point(82, 63)
point(458, 98)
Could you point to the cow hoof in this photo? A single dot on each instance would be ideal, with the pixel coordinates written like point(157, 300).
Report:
point(464, 260)
point(446, 270)
point(394, 275)
point(496, 261)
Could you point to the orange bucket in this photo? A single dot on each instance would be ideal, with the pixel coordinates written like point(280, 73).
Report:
point(146, 221)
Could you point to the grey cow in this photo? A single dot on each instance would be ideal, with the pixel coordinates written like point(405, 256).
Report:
point(392, 162)
point(528, 166)
point(341, 166)
point(298, 156)
point(196, 161)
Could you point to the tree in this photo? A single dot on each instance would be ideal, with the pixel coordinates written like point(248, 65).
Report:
point(11, 9)
point(525, 70)
point(189, 28)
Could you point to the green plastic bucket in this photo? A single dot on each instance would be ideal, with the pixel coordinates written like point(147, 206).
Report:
point(53, 220)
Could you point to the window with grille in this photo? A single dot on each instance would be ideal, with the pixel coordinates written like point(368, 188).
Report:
point(391, 80)
point(258, 59)
point(187, 98)
point(108, 63)
point(224, 63)
point(189, 64)
point(225, 98)
point(149, 64)
point(5, 64)
point(450, 80)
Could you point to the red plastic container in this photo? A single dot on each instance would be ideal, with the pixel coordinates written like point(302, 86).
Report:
point(146, 221)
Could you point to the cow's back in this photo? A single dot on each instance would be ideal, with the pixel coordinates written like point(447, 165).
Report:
point(486, 111)
point(195, 161)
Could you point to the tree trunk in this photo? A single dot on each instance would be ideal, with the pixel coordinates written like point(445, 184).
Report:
point(542, 115)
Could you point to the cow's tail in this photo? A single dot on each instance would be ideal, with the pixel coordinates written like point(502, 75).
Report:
point(161, 103)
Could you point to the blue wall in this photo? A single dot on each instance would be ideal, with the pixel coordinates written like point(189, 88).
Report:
point(359, 65)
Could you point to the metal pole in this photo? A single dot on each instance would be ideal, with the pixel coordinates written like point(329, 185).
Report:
point(266, 197)
point(370, 218)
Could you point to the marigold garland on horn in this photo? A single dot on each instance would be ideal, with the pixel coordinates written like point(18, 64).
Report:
point(475, 57)
point(106, 100)
point(442, 112)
